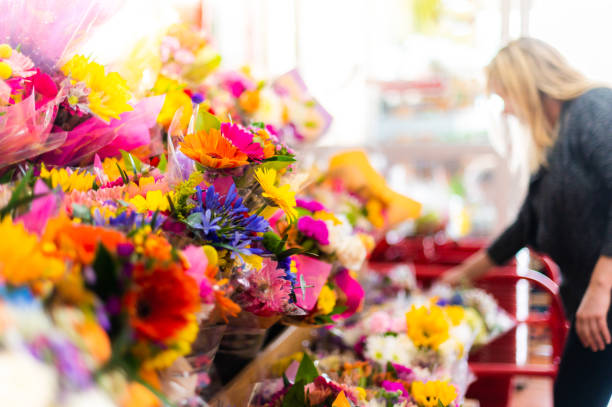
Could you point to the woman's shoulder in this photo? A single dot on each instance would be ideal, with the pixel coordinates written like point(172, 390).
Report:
point(593, 101)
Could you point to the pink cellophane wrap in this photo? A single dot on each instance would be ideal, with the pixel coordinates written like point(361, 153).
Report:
point(314, 274)
point(106, 139)
point(352, 290)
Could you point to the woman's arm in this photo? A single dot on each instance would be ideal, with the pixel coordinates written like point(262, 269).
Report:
point(514, 238)
point(591, 318)
point(474, 267)
point(595, 143)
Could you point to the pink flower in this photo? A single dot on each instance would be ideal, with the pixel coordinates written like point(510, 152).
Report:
point(236, 83)
point(393, 387)
point(268, 292)
point(378, 323)
point(243, 140)
point(403, 372)
point(44, 86)
point(316, 229)
point(197, 262)
point(312, 206)
point(398, 324)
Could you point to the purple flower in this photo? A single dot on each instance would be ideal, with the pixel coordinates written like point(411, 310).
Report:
point(197, 98)
point(316, 229)
point(393, 387)
point(312, 206)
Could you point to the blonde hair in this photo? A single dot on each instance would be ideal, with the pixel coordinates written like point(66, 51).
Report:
point(525, 71)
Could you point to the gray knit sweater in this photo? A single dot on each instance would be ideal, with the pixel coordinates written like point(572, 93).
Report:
point(567, 213)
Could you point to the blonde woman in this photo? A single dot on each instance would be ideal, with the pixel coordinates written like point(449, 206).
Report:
point(567, 213)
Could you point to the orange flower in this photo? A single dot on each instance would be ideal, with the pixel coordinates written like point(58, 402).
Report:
point(212, 150)
point(268, 146)
point(226, 306)
point(137, 395)
point(80, 242)
point(249, 100)
point(162, 302)
point(96, 340)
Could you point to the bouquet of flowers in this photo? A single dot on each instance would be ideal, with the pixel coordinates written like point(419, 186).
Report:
point(63, 108)
point(352, 187)
point(342, 382)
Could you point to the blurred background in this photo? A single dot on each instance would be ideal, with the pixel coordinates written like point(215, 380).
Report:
point(403, 79)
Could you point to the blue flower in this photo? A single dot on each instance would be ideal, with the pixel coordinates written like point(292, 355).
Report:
point(225, 220)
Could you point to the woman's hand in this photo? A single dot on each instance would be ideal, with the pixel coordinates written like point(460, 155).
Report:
point(471, 269)
point(454, 276)
point(591, 317)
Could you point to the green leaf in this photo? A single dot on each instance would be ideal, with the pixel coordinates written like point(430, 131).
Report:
point(7, 176)
point(194, 220)
point(392, 370)
point(282, 158)
point(81, 212)
point(271, 241)
point(281, 245)
point(20, 194)
point(323, 320)
point(295, 397)
point(286, 382)
point(259, 125)
point(206, 121)
point(106, 283)
point(307, 371)
point(133, 162)
point(163, 163)
point(18, 203)
point(440, 404)
point(290, 252)
point(124, 176)
point(338, 309)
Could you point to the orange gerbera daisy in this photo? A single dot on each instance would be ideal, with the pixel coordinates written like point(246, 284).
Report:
point(80, 242)
point(162, 302)
point(212, 150)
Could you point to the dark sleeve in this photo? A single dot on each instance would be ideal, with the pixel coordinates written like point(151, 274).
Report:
point(516, 236)
point(595, 144)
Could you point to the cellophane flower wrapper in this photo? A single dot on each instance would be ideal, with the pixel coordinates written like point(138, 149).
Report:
point(48, 30)
point(25, 131)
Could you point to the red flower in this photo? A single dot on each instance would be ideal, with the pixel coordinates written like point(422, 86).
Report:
point(160, 305)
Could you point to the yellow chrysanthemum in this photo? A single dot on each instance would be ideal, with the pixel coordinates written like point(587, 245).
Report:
point(254, 261)
point(327, 300)
point(108, 93)
point(180, 346)
point(325, 215)
point(24, 259)
point(282, 196)
point(154, 201)
point(430, 393)
point(109, 166)
point(68, 180)
point(361, 393)
point(427, 327)
point(455, 313)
